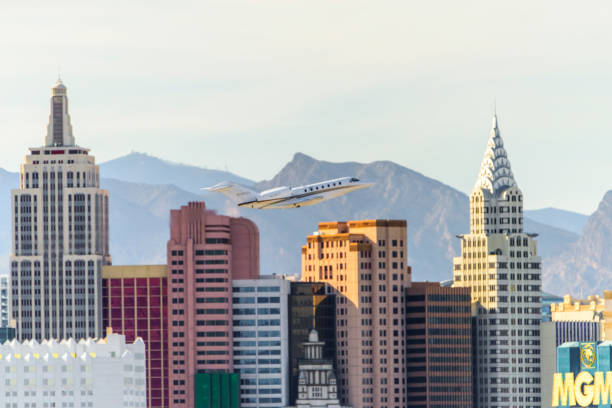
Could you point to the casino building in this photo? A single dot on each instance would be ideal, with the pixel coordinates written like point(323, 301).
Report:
point(500, 263)
point(584, 375)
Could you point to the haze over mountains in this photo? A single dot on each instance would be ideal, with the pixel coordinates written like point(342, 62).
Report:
point(143, 189)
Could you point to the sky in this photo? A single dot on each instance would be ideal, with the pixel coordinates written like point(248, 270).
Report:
point(243, 85)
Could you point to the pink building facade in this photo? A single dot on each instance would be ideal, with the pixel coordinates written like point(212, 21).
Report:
point(206, 251)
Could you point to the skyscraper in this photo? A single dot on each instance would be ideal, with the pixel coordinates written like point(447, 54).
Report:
point(364, 264)
point(59, 235)
point(438, 346)
point(135, 304)
point(500, 263)
point(261, 341)
point(205, 252)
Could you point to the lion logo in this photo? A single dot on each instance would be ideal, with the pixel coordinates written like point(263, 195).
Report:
point(587, 355)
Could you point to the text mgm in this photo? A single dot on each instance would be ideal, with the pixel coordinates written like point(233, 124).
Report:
point(584, 390)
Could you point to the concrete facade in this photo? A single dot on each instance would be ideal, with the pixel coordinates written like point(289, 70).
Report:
point(261, 341)
point(71, 374)
point(135, 304)
point(205, 252)
point(60, 236)
point(499, 262)
point(438, 346)
point(365, 264)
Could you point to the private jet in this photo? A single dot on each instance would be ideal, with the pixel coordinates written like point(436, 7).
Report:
point(289, 197)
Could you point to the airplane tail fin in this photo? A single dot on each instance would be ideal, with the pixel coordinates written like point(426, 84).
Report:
point(236, 192)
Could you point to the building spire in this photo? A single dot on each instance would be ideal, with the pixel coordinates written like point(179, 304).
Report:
point(59, 129)
point(495, 172)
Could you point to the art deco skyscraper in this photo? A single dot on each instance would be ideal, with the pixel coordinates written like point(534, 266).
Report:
point(500, 263)
point(59, 235)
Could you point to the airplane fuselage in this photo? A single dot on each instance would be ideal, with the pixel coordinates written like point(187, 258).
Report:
point(301, 196)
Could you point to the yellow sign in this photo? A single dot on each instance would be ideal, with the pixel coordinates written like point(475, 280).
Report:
point(584, 390)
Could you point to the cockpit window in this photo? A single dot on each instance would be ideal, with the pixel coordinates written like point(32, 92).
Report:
point(354, 180)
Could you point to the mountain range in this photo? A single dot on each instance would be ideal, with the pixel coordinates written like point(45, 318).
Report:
point(144, 188)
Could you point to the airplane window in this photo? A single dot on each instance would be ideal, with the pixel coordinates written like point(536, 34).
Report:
point(305, 190)
point(310, 188)
point(334, 184)
point(328, 185)
point(353, 180)
point(340, 183)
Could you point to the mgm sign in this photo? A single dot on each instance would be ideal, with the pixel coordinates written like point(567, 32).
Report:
point(584, 375)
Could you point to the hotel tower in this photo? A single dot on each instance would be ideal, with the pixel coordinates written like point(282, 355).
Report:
point(500, 263)
point(60, 236)
point(364, 263)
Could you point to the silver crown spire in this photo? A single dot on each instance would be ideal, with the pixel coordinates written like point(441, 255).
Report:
point(495, 172)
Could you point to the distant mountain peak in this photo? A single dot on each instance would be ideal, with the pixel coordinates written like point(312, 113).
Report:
point(607, 200)
point(586, 267)
point(144, 158)
point(299, 156)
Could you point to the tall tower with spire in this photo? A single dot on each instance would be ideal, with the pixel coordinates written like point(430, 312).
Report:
point(59, 235)
point(499, 262)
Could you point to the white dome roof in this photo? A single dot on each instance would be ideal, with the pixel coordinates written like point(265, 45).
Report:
point(58, 85)
point(313, 336)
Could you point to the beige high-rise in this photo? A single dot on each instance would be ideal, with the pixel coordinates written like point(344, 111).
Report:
point(500, 263)
point(364, 263)
point(60, 236)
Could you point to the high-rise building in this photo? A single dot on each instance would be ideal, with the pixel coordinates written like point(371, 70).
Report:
point(206, 252)
point(499, 262)
point(311, 306)
point(365, 264)
point(438, 346)
point(59, 236)
point(261, 341)
point(317, 382)
point(135, 304)
point(97, 373)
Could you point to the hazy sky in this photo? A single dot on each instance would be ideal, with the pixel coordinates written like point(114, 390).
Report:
point(245, 84)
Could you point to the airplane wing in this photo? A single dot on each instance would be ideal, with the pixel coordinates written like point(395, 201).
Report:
point(238, 193)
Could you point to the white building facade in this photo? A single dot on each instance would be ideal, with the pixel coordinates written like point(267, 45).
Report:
point(91, 373)
point(59, 236)
point(500, 263)
point(261, 341)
